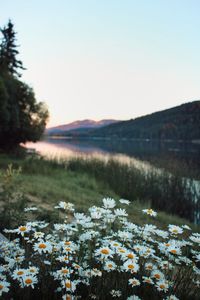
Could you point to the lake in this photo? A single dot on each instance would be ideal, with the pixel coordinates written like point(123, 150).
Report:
point(181, 159)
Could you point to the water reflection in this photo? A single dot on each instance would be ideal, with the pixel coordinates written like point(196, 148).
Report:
point(179, 157)
point(182, 159)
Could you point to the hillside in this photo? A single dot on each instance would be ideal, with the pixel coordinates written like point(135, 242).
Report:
point(181, 122)
point(79, 125)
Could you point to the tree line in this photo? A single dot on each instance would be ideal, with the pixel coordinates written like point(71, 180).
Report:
point(22, 118)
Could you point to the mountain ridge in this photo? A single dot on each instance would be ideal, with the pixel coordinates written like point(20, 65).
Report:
point(79, 124)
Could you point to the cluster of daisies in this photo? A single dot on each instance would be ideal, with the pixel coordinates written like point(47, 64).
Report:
point(100, 255)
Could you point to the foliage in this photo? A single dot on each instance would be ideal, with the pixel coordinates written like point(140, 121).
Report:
point(99, 255)
point(162, 190)
point(21, 117)
point(12, 198)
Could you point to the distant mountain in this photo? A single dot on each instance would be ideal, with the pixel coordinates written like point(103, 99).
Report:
point(177, 123)
point(79, 126)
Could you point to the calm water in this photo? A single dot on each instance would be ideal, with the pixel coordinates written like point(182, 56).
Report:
point(179, 158)
point(184, 158)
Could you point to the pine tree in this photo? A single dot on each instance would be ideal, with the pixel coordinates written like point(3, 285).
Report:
point(22, 119)
point(8, 51)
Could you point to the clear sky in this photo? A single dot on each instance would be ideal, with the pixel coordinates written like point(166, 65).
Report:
point(108, 58)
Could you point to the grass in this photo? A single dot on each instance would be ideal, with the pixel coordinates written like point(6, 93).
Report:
point(84, 183)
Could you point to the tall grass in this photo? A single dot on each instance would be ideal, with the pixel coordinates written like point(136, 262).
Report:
point(163, 191)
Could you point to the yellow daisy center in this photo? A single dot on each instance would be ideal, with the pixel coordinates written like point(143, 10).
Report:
point(28, 281)
point(67, 243)
point(173, 251)
point(68, 285)
point(105, 251)
point(157, 276)
point(20, 273)
point(131, 267)
point(162, 286)
point(65, 271)
point(42, 246)
point(130, 255)
point(1, 286)
point(22, 228)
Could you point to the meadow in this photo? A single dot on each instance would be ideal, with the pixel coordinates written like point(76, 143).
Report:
point(72, 233)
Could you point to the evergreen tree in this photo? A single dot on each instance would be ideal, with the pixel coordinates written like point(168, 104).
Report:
point(8, 51)
point(22, 119)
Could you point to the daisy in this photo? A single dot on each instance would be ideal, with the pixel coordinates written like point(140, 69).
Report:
point(38, 235)
point(116, 293)
point(4, 286)
point(150, 212)
point(134, 282)
point(68, 297)
point(104, 252)
point(19, 273)
point(133, 297)
point(33, 270)
point(119, 212)
point(43, 247)
point(157, 275)
point(131, 266)
point(109, 203)
point(23, 229)
point(147, 280)
point(162, 286)
point(29, 280)
point(123, 201)
point(69, 285)
point(175, 229)
point(110, 266)
point(172, 297)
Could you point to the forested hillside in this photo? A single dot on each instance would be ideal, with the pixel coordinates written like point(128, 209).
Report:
point(181, 122)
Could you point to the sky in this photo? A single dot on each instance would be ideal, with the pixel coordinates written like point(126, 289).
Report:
point(100, 59)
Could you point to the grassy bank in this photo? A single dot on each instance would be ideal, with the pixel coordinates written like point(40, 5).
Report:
point(85, 182)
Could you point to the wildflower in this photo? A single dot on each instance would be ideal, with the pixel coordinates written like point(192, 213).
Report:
point(104, 252)
point(149, 266)
point(65, 205)
point(197, 257)
point(119, 212)
point(186, 227)
point(174, 250)
point(162, 286)
point(4, 286)
point(110, 266)
point(69, 285)
point(133, 297)
point(150, 212)
point(95, 272)
point(26, 209)
point(147, 280)
point(43, 247)
point(38, 234)
point(116, 293)
point(33, 270)
point(109, 203)
point(124, 235)
point(19, 273)
point(175, 229)
point(134, 282)
point(68, 297)
point(131, 266)
point(29, 280)
point(171, 297)
point(157, 275)
point(23, 229)
point(124, 201)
